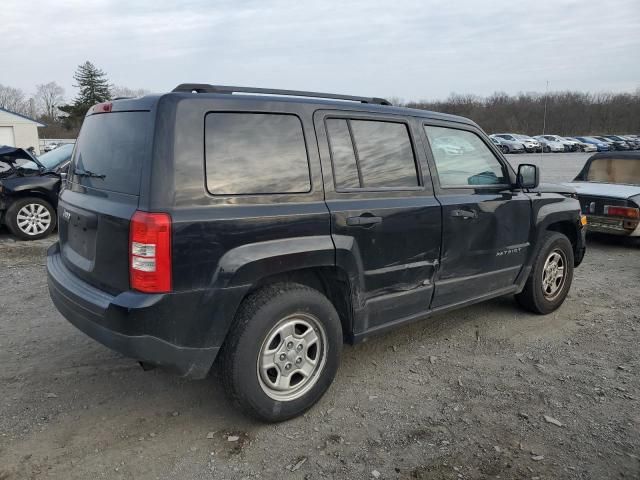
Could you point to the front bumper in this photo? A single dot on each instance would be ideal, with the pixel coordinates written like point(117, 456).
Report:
point(178, 330)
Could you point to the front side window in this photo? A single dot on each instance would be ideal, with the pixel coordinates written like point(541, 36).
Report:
point(371, 154)
point(462, 158)
point(255, 153)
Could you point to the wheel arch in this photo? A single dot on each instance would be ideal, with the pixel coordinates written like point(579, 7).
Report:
point(35, 193)
point(310, 261)
point(333, 282)
point(560, 215)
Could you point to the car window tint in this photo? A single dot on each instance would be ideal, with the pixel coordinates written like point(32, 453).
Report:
point(253, 153)
point(462, 158)
point(384, 153)
point(345, 170)
point(115, 145)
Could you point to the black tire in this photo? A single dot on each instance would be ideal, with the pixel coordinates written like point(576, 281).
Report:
point(546, 149)
point(22, 233)
point(504, 149)
point(533, 297)
point(257, 316)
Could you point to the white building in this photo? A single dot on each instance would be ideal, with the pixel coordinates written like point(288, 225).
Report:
point(19, 131)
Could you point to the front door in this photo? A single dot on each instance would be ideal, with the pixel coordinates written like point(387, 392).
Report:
point(486, 223)
point(385, 220)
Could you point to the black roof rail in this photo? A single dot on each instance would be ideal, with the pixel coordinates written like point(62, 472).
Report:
point(206, 88)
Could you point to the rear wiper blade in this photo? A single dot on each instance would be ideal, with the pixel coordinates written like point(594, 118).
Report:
point(87, 173)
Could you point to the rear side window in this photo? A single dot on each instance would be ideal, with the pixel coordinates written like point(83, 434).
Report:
point(115, 145)
point(371, 154)
point(255, 153)
point(462, 158)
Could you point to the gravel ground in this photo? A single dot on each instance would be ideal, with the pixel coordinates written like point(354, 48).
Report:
point(485, 392)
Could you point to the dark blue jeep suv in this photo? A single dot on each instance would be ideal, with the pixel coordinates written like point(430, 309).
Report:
point(264, 228)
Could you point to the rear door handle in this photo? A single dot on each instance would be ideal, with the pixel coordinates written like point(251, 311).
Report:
point(363, 220)
point(464, 214)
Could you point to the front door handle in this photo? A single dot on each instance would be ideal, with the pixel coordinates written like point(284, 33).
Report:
point(464, 214)
point(363, 221)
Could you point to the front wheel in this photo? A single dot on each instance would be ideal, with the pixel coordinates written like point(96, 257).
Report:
point(551, 277)
point(282, 352)
point(31, 218)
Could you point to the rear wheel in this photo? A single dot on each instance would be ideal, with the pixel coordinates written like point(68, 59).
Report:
point(551, 277)
point(504, 149)
point(31, 218)
point(546, 149)
point(283, 351)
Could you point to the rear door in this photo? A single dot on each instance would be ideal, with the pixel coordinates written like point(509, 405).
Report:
point(486, 224)
point(385, 221)
point(102, 193)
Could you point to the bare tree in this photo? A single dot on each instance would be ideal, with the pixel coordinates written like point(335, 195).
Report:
point(568, 113)
point(121, 91)
point(13, 99)
point(49, 96)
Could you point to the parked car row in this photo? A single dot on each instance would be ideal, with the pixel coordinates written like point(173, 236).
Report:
point(518, 143)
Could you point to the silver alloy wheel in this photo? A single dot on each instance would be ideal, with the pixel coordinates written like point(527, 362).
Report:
point(292, 357)
point(554, 274)
point(33, 219)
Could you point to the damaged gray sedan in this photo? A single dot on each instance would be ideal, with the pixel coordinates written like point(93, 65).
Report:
point(608, 188)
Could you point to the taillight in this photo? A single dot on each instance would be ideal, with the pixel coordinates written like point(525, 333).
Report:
point(104, 107)
point(625, 212)
point(150, 252)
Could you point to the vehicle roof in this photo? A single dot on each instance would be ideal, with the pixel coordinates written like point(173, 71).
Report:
point(147, 102)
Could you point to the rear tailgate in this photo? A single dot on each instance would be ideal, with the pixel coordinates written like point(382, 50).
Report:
point(102, 195)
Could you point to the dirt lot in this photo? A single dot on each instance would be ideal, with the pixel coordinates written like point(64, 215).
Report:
point(463, 395)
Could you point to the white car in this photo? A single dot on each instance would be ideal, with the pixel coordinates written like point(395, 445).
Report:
point(530, 145)
point(50, 146)
point(570, 145)
point(549, 145)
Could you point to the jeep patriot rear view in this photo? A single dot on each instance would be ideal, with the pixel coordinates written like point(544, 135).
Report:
point(264, 228)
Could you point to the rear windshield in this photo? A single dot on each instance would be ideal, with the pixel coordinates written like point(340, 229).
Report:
point(612, 170)
point(114, 145)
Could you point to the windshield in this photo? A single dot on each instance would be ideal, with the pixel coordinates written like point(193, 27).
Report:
point(614, 170)
point(52, 159)
point(523, 137)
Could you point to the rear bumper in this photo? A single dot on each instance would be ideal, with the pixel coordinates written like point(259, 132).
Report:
point(613, 226)
point(170, 330)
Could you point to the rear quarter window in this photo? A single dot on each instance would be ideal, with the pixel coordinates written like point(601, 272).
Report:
point(255, 153)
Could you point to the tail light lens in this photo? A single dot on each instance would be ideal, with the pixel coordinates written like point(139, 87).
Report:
point(625, 212)
point(150, 252)
point(104, 107)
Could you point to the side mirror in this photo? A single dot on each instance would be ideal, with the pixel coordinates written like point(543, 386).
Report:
point(528, 176)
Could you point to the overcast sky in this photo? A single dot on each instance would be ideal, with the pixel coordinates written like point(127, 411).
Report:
point(392, 48)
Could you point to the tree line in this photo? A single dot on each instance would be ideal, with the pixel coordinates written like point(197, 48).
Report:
point(567, 113)
point(49, 105)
